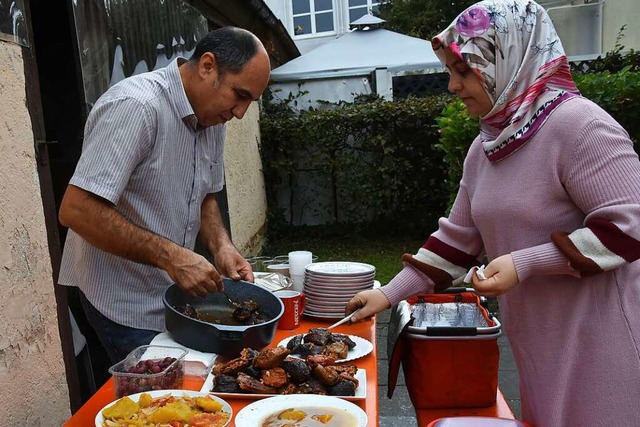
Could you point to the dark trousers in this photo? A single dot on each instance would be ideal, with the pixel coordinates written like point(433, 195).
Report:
point(118, 340)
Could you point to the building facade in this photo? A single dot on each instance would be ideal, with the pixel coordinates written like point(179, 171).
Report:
point(312, 23)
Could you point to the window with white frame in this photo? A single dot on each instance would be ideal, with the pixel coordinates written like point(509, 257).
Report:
point(359, 8)
point(312, 16)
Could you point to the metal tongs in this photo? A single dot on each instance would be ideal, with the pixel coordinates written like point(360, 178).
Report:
point(340, 322)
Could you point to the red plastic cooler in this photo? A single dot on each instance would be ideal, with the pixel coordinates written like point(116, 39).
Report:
point(448, 366)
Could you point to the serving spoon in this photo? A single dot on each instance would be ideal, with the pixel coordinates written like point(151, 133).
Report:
point(340, 322)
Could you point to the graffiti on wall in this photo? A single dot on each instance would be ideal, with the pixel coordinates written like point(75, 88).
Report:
point(13, 25)
point(120, 38)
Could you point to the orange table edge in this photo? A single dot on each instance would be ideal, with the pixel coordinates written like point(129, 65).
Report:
point(85, 416)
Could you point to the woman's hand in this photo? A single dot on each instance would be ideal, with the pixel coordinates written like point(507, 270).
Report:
point(372, 301)
point(501, 277)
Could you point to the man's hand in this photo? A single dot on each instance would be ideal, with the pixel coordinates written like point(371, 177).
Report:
point(371, 302)
point(193, 273)
point(215, 237)
point(501, 277)
point(233, 265)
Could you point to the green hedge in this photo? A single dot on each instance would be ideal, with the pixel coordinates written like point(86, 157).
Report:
point(376, 159)
point(393, 165)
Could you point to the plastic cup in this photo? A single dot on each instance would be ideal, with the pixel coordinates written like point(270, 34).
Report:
point(258, 263)
point(298, 260)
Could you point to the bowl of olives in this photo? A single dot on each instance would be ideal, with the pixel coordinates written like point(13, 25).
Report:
point(149, 367)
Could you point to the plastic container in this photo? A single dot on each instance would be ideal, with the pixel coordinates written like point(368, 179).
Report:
point(448, 366)
point(476, 422)
point(149, 367)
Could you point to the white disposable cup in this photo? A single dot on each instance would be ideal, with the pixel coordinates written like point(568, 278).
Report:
point(298, 260)
point(297, 282)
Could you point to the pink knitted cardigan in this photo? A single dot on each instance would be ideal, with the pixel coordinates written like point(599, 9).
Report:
point(567, 207)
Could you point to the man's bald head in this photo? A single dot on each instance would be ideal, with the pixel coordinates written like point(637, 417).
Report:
point(232, 47)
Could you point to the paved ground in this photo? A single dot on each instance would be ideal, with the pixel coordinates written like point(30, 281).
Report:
point(398, 411)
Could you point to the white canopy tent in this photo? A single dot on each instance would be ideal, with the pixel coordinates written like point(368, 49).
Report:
point(359, 52)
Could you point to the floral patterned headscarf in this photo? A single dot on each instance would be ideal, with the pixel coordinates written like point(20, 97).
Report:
point(512, 46)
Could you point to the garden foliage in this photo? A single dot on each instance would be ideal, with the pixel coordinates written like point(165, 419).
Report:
point(376, 159)
point(396, 165)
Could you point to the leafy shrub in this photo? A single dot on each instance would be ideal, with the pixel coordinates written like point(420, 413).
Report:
point(374, 159)
point(618, 94)
point(457, 130)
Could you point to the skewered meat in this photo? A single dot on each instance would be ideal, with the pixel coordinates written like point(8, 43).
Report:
point(349, 369)
point(322, 359)
point(290, 375)
point(225, 384)
point(244, 310)
point(270, 358)
point(325, 375)
point(289, 388)
point(244, 313)
point(344, 338)
point(318, 336)
point(256, 318)
point(232, 367)
point(252, 385)
point(309, 349)
point(275, 377)
point(294, 343)
point(347, 377)
point(254, 372)
point(188, 310)
point(338, 348)
point(249, 353)
point(313, 386)
point(297, 369)
point(342, 388)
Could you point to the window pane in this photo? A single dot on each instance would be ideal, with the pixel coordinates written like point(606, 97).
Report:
point(356, 13)
point(300, 6)
point(375, 9)
point(322, 5)
point(324, 22)
point(302, 25)
point(357, 3)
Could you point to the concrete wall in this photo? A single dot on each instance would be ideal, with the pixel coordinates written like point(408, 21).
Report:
point(32, 375)
point(616, 14)
point(245, 182)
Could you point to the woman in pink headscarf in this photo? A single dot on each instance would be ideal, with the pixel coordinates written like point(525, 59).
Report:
point(550, 195)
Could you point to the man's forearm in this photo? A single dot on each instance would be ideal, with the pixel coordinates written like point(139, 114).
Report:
point(100, 224)
point(213, 233)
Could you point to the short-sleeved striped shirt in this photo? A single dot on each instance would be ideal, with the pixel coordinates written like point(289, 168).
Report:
point(144, 152)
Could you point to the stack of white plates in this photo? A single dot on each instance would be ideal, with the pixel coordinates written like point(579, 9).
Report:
point(330, 285)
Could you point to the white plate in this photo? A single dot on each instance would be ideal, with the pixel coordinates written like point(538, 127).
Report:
point(332, 288)
point(361, 391)
point(254, 414)
point(362, 348)
point(322, 305)
point(177, 393)
point(338, 279)
point(340, 269)
point(333, 294)
point(324, 314)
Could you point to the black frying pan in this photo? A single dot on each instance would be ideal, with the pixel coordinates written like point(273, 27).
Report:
point(226, 340)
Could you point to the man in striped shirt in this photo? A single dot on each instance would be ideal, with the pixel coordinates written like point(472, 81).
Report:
point(144, 188)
